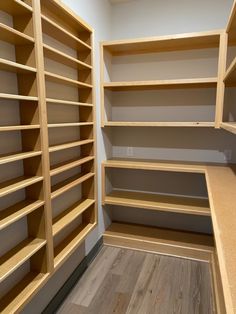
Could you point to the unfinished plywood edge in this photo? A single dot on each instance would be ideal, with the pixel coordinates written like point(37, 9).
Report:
point(72, 124)
point(162, 241)
point(9, 128)
point(18, 97)
point(164, 43)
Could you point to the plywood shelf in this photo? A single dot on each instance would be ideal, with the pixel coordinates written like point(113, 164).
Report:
point(61, 167)
point(62, 58)
point(178, 204)
point(18, 211)
point(68, 184)
point(64, 80)
point(230, 75)
point(16, 184)
point(72, 124)
point(10, 66)
point(18, 255)
point(231, 26)
point(159, 124)
point(69, 215)
point(18, 156)
point(19, 127)
point(187, 41)
point(67, 102)
point(161, 84)
point(229, 126)
point(13, 36)
point(142, 164)
point(15, 7)
point(17, 97)
point(22, 292)
point(56, 148)
point(54, 30)
point(69, 245)
point(164, 241)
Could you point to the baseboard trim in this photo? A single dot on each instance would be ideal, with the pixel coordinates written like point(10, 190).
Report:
point(60, 296)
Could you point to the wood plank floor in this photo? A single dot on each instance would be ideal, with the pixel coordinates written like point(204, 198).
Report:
point(127, 281)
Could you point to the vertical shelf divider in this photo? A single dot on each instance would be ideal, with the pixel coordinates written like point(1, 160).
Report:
point(43, 131)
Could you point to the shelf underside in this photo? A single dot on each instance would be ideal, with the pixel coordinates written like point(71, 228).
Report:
point(178, 204)
point(163, 241)
point(160, 124)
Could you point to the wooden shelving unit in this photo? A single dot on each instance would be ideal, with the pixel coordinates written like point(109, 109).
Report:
point(48, 159)
point(227, 117)
point(114, 82)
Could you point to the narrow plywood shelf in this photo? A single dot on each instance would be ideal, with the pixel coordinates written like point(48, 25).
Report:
point(61, 167)
point(67, 102)
point(17, 97)
point(16, 184)
point(15, 67)
point(64, 80)
point(52, 29)
point(159, 124)
point(143, 164)
point(69, 245)
point(230, 75)
point(161, 84)
point(15, 7)
point(58, 147)
point(13, 36)
point(18, 156)
point(68, 184)
point(18, 211)
point(19, 127)
point(186, 41)
point(71, 124)
point(178, 204)
point(18, 255)
point(164, 241)
point(62, 58)
point(69, 215)
point(15, 300)
point(229, 126)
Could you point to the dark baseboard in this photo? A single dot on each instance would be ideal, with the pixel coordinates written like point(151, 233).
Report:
point(58, 299)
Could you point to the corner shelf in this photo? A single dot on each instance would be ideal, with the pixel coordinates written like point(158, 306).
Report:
point(184, 205)
point(18, 255)
point(69, 215)
point(18, 211)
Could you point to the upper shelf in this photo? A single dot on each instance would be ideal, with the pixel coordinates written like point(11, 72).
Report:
point(54, 30)
point(159, 124)
point(61, 57)
point(63, 146)
point(231, 26)
point(64, 80)
point(187, 41)
point(66, 102)
point(13, 36)
point(15, 7)
point(162, 84)
point(7, 65)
